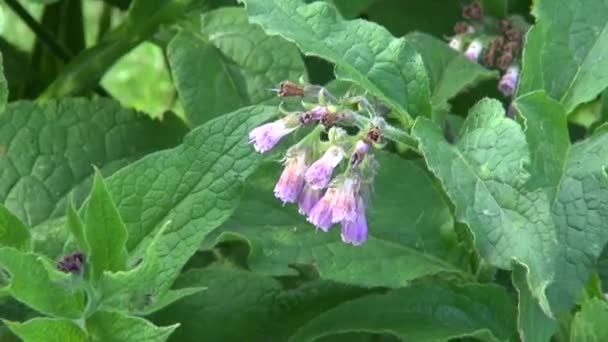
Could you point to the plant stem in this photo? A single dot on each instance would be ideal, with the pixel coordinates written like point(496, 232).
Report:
point(45, 37)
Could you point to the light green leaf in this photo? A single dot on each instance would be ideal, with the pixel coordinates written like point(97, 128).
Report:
point(31, 283)
point(104, 231)
point(46, 150)
point(524, 206)
point(565, 54)
point(188, 190)
point(449, 71)
point(246, 306)
point(426, 312)
point(76, 227)
point(12, 231)
point(107, 326)
point(363, 52)
point(406, 234)
point(47, 330)
point(228, 64)
point(589, 325)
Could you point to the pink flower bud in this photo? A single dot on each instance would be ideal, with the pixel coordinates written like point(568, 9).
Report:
point(359, 152)
point(319, 173)
point(290, 183)
point(313, 115)
point(307, 199)
point(355, 231)
point(508, 81)
point(473, 51)
point(266, 136)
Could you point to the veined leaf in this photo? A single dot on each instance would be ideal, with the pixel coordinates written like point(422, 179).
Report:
point(363, 52)
point(115, 326)
point(542, 206)
point(564, 52)
point(229, 63)
point(12, 231)
point(47, 330)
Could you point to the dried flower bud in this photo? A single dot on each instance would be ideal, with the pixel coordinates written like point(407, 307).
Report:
point(290, 183)
point(288, 88)
point(359, 152)
point(508, 81)
point(512, 48)
point(462, 27)
point(373, 135)
point(313, 115)
point(504, 25)
point(474, 50)
point(513, 35)
point(504, 61)
point(488, 58)
point(474, 11)
point(71, 263)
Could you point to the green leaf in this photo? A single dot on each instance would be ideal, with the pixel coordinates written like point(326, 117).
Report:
point(104, 232)
point(115, 326)
point(589, 324)
point(76, 227)
point(426, 312)
point(31, 283)
point(190, 190)
point(246, 306)
point(406, 234)
point(363, 52)
point(229, 64)
point(352, 8)
point(540, 208)
point(12, 231)
point(564, 52)
point(46, 150)
point(47, 330)
point(449, 71)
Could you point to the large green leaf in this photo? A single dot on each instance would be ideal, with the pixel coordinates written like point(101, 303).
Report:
point(47, 330)
point(31, 283)
point(542, 206)
point(363, 52)
point(12, 231)
point(246, 306)
point(449, 71)
point(187, 191)
point(589, 325)
point(47, 150)
point(229, 63)
point(104, 232)
point(426, 312)
point(408, 231)
point(564, 52)
point(115, 326)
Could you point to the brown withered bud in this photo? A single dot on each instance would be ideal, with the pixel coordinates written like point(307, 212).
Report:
point(513, 35)
point(504, 25)
point(488, 58)
point(512, 48)
point(474, 11)
point(288, 88)
point(461, 27)
point(504, 61)
point(373, 135)
point(329, 119)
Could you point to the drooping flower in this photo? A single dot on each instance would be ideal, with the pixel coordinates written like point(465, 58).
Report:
point(266, 136)
point(508, 81)
point(319, 173)
point(345, 201)
point(290, 183)
point(355, 231)
point(473, 50)
point(321, 213)
point(307, 199)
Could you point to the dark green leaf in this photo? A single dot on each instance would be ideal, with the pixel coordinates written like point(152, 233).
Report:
point(47, 330)
point(229, 64)
point(12, 231)
point(46, 150)
point(429, 312)
point(363, 52)
point(104, 232)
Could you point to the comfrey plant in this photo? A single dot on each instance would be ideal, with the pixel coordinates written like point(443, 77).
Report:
point(330, 179)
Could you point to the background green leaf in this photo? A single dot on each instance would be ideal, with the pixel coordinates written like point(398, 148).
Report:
point(48, 330)
point(588, 324)
point(229, 63)
point(363, 52)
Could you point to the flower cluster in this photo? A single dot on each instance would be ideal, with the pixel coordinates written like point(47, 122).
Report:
point(494, 43)
point(71, 263)
point(329, 172)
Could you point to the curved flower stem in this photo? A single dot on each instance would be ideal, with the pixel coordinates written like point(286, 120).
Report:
point(389, 132)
